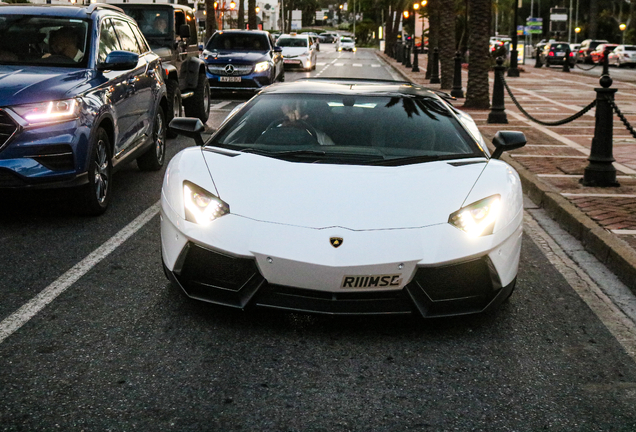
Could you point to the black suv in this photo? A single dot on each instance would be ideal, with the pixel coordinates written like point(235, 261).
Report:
point(81, 94)
point(172, 33)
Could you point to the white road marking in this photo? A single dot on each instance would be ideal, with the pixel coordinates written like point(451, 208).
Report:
point(20, 317)
point(220, 105)
point(321, 64)
point(624, 232)
point(611, 301)
point(592, 195)
point(376, 65)
point(339, 64)
point(356, 65)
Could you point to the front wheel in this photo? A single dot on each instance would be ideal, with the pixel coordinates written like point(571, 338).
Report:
point(95, 196)
point(154, 157)
point(198, 105)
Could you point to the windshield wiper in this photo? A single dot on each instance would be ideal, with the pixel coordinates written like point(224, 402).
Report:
point(300, 153)
point(407, 160)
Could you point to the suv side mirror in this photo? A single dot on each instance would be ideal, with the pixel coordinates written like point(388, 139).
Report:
point(506, 141)
point(184, 31)
point(189, 127)
point(278, 49)
point(119, 61)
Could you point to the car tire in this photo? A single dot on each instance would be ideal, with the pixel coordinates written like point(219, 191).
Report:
point(199, 104)
point(174, 108)
point(95, 196)
point(154, 157)
point(281, 78)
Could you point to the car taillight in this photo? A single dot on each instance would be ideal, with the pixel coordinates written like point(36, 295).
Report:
point(551, 54)
point(571, 54)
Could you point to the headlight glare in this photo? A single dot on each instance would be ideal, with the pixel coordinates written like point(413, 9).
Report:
point(261, 67)
point(478, 218)
point(48, 111)
point(201, 206)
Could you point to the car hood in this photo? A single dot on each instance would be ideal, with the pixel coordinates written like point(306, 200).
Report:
point(347, 196)
point(293, 51)
point(22, 85)
point(237, 56)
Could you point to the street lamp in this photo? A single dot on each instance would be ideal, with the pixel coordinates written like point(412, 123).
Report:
point(622, 27)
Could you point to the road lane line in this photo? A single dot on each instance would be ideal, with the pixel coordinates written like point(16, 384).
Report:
point(609, 299)
point(20, 317)
point(220, 105)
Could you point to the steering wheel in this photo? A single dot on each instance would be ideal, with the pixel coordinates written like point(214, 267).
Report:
point(296, 124)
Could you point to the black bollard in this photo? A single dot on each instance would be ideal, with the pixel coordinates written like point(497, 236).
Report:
point(600, 172)
point(435, 72)
point(398, 52)
point(498, 109)
point(457, 77)
point(403, 54)
point(566, 62)
point(416, 64)
point(537, 61)
point(408, 55)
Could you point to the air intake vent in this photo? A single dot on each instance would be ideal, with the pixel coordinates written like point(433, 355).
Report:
point(7, 128)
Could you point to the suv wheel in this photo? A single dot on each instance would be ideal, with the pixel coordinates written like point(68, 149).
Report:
point(174, 104)
point(96, 194)
point(199, 104)
point(154, 157)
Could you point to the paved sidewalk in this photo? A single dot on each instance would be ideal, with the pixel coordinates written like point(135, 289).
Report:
point(551, 164)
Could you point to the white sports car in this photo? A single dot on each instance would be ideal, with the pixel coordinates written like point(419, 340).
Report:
point(344, 197)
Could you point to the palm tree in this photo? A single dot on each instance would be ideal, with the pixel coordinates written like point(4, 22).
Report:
point(593, 19)
point(477, 94)
point(447, 43)
point(210, 19)
point(241, 15)
point(433, 33)
point(251, 14)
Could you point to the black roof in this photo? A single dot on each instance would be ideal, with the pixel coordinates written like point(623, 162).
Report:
point(74, 11)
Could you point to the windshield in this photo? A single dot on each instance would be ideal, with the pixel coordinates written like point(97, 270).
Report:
point(43, 41)
point(238, 42)
point(344, 128)
point(156, 24)
point(292, 42)
point(346, 40)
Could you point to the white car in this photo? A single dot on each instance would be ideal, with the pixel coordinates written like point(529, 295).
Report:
point(298, 51)
point(623, 55)
point(344, 197)
point(347, 44)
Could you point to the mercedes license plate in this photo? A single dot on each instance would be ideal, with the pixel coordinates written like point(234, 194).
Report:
point(561, 53)
point(372, 281)
point(230, 79)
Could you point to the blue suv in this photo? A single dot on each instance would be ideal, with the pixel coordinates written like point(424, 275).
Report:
point(81, 94)
point(243, 60)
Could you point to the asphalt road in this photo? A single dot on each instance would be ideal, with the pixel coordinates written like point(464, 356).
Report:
point(121, 349)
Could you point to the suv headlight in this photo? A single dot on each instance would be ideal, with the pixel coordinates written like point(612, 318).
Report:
point(201, 206)
point(261, 67)
point(478, 218)
point(50, 111)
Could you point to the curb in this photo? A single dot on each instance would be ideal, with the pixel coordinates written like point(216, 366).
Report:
point(605, 246)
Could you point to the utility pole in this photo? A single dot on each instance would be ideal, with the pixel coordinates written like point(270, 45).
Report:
point(570, 24)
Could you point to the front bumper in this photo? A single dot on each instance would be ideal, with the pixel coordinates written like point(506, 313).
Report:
point(287, 268)
point(303, 62)
point(250, 81)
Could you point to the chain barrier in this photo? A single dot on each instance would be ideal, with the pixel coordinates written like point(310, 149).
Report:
point(586, 69)
point(541, 122)
point(622, 117)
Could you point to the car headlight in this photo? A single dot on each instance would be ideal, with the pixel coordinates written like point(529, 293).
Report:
point(201, 206)
point(44, 112)
point(261, 67)
point(478, 218)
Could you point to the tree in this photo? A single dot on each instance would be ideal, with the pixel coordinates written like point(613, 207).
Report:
point(477, 94)
point(210, 18)
point(241, 15)
point(433, 33)
point(447, 43)
point(593, 26)
point(251, 14)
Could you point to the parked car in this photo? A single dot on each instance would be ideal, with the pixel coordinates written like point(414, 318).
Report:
point(298, 51)
point(599, 52)
point(81, 95)
point(500, 45)
point(574, 47)
point(243, 60)
point(554, 53)
point(330, 37)
point(623, 55)
point(586, 48)
point(283, 208)
point(347, 44)
point(171, 32)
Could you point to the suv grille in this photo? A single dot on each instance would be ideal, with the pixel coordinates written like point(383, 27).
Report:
point(221, 69)
point(7, 128)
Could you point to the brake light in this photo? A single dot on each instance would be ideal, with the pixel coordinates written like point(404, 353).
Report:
point(551, 54)
point(571, 54)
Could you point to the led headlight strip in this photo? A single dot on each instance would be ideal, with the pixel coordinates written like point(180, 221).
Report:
point(478, 218)
point(201, 206)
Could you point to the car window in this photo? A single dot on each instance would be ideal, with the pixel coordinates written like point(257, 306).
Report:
point(107, 41)
point(44, 40)
point(140, 39)
point(156, 24)
point(293, 42)
point(630, 48)
point(126, 36)
point(395, 126)
point(237, 42)
point(559, 47)
point(192, 40)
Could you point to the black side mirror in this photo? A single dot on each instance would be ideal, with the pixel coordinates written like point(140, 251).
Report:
point(189, 127)
point(119, 61)
point(506, 141)
point(278, 49)
point(184, 31)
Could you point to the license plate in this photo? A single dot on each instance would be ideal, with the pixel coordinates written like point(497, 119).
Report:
point(291, 61)
point(230, 79)
point(372, 281)
point(561, 53)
